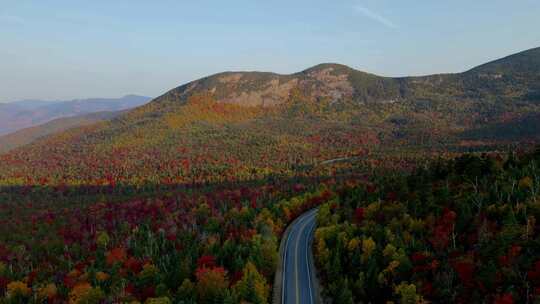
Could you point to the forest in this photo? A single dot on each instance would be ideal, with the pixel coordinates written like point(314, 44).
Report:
point(427, 191)
point(460, 230)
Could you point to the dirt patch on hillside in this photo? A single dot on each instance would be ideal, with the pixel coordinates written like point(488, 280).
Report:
point(273, 92)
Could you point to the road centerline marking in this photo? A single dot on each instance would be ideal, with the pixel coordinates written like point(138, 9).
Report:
point(297, 226)
point(308, 247)
point(298, 238)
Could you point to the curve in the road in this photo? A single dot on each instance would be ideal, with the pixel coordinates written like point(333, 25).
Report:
point(297, 280)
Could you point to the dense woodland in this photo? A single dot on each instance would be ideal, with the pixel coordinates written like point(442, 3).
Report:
point(455, 231)
point(185, 199)
point(197, 245)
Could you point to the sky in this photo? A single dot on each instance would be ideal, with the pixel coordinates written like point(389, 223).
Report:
point(107, 48)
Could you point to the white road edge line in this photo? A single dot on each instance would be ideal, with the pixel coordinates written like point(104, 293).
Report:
point(285, 255)
point(284, 267)
point(305, 221)
point(302, 224)
point(308, 247)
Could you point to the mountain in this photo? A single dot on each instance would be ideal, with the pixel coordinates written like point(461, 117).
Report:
point(332, 81)
point(515, 76)
point(189, 194)
point(523, 64)
point(29, 104)
point(23, 114)
point(28, 135)
point(243, 123)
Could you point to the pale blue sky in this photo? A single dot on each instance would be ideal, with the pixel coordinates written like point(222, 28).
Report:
point(104, 48)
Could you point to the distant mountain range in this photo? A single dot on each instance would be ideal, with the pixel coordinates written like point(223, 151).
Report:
point(18, 115)
point(244, 121)
point(25, 136)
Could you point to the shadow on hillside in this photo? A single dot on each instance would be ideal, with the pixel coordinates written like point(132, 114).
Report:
point(33, 197)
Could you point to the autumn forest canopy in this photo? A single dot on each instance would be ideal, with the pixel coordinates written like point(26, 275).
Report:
point(427, 190)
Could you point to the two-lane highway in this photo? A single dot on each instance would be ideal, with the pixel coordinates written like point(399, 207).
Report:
point(298, 286)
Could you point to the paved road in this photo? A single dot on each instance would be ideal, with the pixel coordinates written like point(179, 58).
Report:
point(298, 287)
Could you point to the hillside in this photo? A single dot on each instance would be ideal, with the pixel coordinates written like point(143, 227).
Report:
point(518, 74)
point(513, 76)
point(186, 197)
point(432, 236)
point(243, 121)
point(27, 113)
point(28, 135)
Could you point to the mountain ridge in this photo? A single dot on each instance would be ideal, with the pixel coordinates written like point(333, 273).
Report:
point(32, 103)
point(19, 115)
point(242, 122)
point(26, 136)
point(361, 85)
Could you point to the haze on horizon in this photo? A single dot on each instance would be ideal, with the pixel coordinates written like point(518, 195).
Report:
point(66, 50)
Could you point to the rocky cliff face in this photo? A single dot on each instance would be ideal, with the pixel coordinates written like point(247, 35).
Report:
point(516, 76)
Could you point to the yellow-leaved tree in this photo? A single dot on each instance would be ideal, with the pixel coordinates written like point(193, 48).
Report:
point(253, 287)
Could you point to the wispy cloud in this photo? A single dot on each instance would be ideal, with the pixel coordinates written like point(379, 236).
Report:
point(366, 12)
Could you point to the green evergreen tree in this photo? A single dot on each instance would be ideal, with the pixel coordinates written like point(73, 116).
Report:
point(344, 294)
